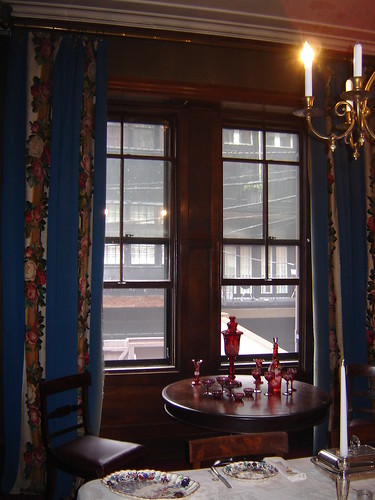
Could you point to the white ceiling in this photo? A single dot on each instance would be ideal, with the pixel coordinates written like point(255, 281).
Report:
point(334, 24)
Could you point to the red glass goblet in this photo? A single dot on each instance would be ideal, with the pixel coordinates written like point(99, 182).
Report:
point(197, 364)
point(293, 372)
point(287, 376)
point(221, 381)
point(231, 344)
point(257, 374)
point(208, 383)
point(230, 385)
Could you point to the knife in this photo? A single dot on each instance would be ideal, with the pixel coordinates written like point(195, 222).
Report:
point(219, 476)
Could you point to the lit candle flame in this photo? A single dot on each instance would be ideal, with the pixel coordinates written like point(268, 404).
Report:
point(307, 55)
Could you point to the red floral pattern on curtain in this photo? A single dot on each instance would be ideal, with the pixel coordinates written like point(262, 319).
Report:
point(36, 212)
point(42, 49)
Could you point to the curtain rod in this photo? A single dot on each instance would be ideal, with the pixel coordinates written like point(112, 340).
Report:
point(103, 32)
point(141, 34)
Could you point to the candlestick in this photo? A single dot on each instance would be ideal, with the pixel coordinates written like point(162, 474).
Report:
point(343, 413)
point(357, 60)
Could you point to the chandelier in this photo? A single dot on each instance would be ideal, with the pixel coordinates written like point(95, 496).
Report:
point(352, 107)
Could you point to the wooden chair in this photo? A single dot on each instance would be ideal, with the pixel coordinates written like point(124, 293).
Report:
point(361, 392)
point(361, 405)
point(85, 456)
point(237, 445)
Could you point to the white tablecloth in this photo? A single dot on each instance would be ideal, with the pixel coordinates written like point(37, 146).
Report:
point(317, 485)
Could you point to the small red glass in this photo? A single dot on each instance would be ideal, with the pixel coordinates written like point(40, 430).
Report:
point(249, 391)
point(238, 396)
point(207, 384)
point(221, 381)
point(287, 376)
point(257, 374)
point(230, 385)
point(293, 372)
point(197, 364)
point(231, 343)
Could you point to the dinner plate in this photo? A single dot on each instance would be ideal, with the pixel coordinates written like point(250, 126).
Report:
point(150, 484)
point(250, 470)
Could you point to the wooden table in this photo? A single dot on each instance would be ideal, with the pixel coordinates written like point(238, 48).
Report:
point(306, 407)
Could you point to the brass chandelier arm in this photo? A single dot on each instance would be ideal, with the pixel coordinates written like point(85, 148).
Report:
point(370, 81)
point(332, 138)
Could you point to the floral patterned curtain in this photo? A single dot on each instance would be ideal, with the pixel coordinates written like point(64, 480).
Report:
point(48, 217)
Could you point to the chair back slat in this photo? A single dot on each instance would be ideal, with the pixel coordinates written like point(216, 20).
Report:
point(64, 411)
point(65, 430)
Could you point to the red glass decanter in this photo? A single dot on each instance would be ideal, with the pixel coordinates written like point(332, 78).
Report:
point(274, 384)
point(231, 343)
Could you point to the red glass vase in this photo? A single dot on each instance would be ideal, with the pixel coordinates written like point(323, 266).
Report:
point(231, 344)
point(274, 384)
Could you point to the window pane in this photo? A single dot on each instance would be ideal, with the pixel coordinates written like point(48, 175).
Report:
point(145, 262)
point(243, 261)
point(260, 315)
point(283, 190)
point(146, 204)
point(144, 139)
point(111, 262)
point(242, 200)
point(133, 324)
point(240, 143)
point(112, 210)
point(282, 146)
point(282, 262)
point(114, 137)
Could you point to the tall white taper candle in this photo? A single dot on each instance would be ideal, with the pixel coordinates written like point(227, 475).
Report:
point(343, 413)
point(307, 56)
point(357, 60)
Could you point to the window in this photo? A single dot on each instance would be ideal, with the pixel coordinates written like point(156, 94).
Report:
point(138, 262)
point(262, 246)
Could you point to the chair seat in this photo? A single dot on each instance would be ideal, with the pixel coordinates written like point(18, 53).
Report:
point(91, 457)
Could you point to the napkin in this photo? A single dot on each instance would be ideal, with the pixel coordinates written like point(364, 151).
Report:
point(286, 470)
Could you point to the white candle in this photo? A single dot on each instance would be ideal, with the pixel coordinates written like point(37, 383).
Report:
point(307, 56)
point(357, 60)
point(343, 413)
point(308, 81)
point(348, 88)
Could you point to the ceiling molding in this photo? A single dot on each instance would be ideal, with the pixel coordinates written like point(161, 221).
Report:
point(216, 18)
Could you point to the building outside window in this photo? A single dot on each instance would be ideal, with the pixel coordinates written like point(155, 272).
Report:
point(138, 278)
point(261, 279)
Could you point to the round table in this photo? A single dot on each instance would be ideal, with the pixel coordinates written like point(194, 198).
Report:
point(304, 408)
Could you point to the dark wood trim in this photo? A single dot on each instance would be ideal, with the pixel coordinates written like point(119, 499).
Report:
point(118, 86)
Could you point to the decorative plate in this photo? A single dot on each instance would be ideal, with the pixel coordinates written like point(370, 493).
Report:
point(250, 470)
point(150, 484)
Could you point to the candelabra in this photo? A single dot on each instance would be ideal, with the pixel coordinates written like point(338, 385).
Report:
point(352, 108)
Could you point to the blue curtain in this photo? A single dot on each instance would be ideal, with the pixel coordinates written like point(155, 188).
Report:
point(349, 179)
point(12, 248)
point(351, 207)
point(62, 279)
